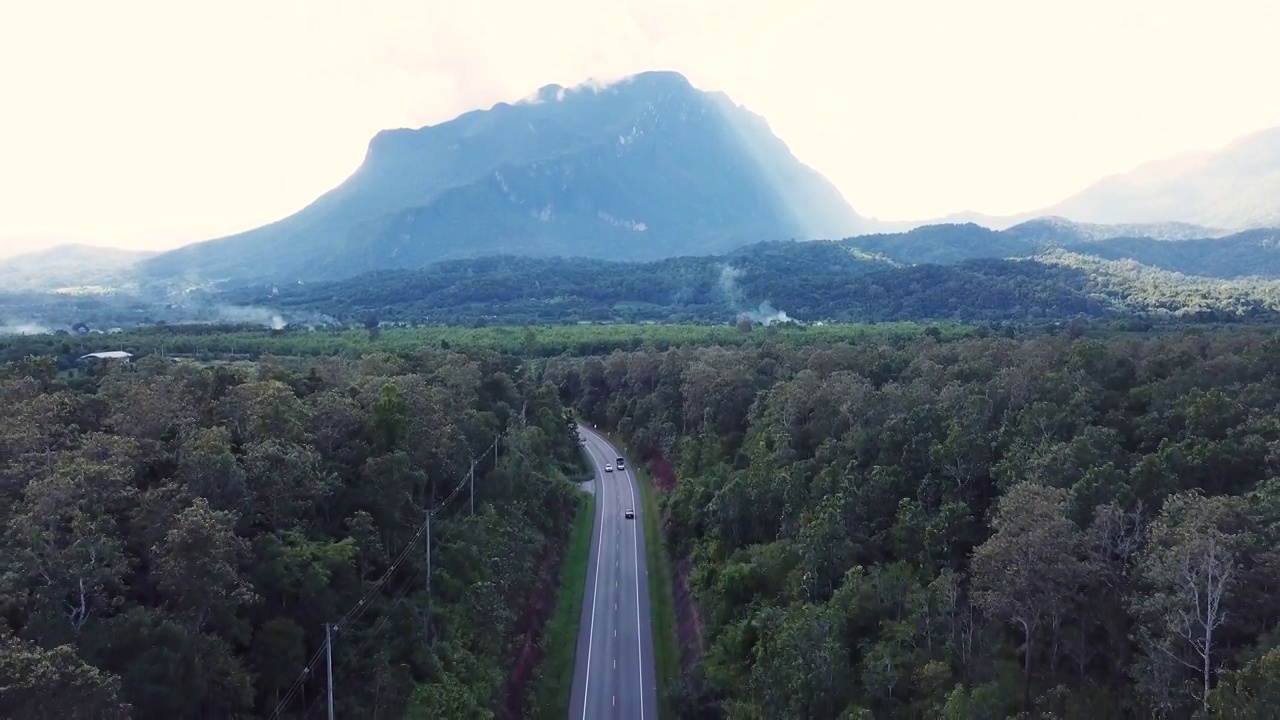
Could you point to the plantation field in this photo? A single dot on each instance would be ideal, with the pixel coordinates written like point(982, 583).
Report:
point(223, 343)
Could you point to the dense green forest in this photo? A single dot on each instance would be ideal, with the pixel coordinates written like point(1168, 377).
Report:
point(174, 538)
point(865, 521)
point(809, 281)
point(920, 529)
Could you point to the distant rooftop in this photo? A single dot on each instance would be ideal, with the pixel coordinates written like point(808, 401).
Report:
point(108, 355)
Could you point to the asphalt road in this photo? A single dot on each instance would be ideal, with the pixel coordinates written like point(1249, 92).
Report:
point(613, 674)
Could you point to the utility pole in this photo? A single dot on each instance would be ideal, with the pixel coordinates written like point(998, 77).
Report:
point(328, 651)
point(428, 560)
point(471, 476)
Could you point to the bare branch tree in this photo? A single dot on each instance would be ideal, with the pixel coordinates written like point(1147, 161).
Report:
point(1190, 567)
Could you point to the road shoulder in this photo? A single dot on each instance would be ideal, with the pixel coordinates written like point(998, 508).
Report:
point(553, 688)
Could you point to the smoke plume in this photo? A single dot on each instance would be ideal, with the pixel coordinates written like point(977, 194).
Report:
point(254, 315)
point(764, 313)
point(23, 328)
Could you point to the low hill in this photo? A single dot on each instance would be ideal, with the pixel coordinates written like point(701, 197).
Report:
point(1182, 248)
point(768, 283)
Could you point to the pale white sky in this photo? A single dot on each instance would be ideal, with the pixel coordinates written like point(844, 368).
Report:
point(151, 123)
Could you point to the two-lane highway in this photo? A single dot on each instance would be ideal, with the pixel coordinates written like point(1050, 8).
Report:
point(614, 667)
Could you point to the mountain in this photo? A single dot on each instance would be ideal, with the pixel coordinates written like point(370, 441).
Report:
point(13, 244)
point(70, 267)
point(1194, 195)
point(645, 168)
point(1237, 186)
point(1060, 230)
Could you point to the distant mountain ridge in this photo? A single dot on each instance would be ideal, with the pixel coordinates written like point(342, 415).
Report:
point(71, 265)
point(645, 168)
point(1171, 246)
point(1235, 187)
point(651, 167)
point(1207, 193)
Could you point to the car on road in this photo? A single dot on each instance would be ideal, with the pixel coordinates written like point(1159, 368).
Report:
point(620, 462)
point(608, 468)
point(631, 514)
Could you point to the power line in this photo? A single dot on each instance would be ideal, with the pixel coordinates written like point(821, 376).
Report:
point(398, 597)
point(363, 604)
point(297, 684)
point(328, 652)
point(407, 587)
point(353, 614)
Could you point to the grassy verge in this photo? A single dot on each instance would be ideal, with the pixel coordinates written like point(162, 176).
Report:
point(554, 685)
point(662, 601)
point(584, 470)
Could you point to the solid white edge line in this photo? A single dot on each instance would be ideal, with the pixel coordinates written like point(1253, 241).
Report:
point(635, 547)
point(595, 591)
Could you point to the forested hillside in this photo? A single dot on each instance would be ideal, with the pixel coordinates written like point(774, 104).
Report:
point(1036, 272)
point(1252, 253)
point(809, 281)
point(966, 529)
point(173, 539)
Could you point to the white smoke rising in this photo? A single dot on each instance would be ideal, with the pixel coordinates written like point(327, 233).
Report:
point(254, 315)
point(765, 313)
point(23, 328)
point(729, 285)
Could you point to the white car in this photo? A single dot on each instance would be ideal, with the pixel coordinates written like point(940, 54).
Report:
point(608, 468)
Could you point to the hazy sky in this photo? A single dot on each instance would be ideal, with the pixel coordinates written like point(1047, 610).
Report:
point(150, 123)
